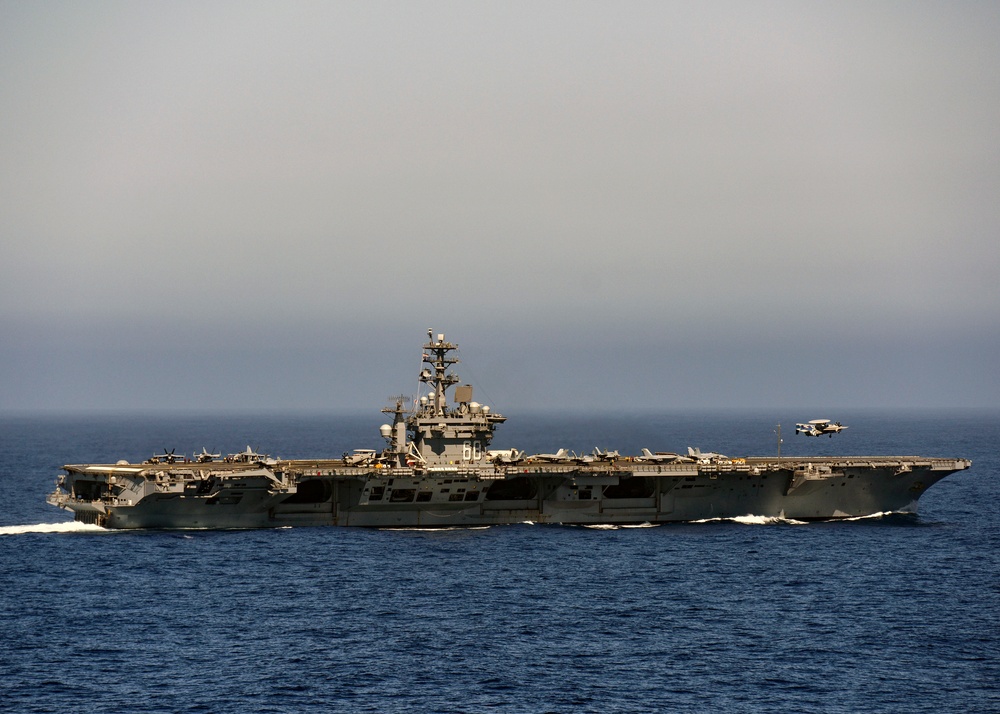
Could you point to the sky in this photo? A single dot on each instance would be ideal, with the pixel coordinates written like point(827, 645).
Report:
point(608, 206)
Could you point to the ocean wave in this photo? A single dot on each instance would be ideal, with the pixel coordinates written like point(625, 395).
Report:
point(65, 527)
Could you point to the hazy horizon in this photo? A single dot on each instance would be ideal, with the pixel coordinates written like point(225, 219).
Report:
point(251, 206)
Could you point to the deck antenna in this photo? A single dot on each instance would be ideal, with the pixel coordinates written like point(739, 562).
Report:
point(778, 432)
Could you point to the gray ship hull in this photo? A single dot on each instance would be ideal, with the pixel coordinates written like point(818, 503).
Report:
point(335, 494)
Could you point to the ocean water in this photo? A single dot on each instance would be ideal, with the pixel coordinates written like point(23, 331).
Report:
point(888, 614)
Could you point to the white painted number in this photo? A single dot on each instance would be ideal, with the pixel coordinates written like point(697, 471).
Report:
point(472, 451)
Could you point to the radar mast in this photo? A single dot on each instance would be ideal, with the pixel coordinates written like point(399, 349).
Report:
point(442, 435)
point(436, 355)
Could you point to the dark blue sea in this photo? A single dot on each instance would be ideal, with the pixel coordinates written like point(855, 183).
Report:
point(889, 614)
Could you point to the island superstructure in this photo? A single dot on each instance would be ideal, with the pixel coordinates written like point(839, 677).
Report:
point(437, 470)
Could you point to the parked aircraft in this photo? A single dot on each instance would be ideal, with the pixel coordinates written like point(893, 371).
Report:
point(661, 457)
point(561, 455)
point(204, 457)
point(249, 457)
point(705, 457)
point(167, 457)
point(604, 455)
point(505, 456)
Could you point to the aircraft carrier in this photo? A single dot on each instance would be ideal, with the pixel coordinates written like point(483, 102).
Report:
point(438, 470)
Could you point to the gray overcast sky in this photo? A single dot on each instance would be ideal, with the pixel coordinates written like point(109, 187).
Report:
point(231, 205)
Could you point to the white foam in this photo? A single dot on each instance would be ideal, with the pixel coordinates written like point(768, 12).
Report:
point(603, 527)
point(439, 529)
point(883, 514)
point(751, 520)
point(66, 527)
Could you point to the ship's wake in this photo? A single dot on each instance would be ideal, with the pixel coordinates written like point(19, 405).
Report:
point(751, 520)
point(437, 529)
point(880, 516)
point(65, 527)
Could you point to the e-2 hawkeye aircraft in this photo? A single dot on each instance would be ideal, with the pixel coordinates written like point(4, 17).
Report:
point(819, 427)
